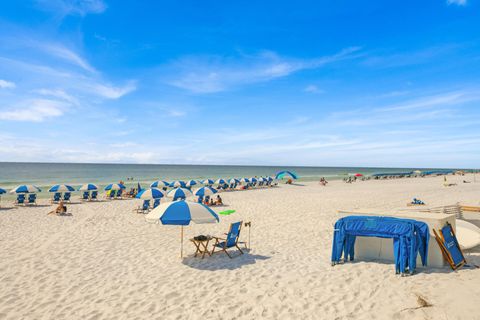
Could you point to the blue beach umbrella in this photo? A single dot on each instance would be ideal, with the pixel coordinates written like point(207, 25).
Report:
point(208, 182)
point(221, 181)
point(2, 191)
point(233, 180)
point(181, 213)
point(88, 187)
point(153, 193)
point(191, 183)
point(253, 180)
point(269, 179)
point(178, 184)
point(114, 186)
point(282, 174)
point(25, 188)
point(205, 191)
point(160, 184)
point(244, 180)
point(61, 188)
point(179, 193)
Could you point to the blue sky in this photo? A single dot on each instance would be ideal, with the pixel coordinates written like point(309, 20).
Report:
point(318, 83)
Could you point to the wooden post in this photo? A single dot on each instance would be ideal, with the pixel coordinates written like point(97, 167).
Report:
point(181, 245)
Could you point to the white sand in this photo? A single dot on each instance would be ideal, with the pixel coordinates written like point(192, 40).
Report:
point(106, 262)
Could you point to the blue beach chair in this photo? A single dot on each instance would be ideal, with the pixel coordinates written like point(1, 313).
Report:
point(111, 194)
point(94, 195)
point(85, 196)
point(145, 207)
point(448, 243)
point(119, 194)
point(231, 241)
point(66, 196)
point(56, 197)
point(156, 203)
point(32, 198)
point(20, 199)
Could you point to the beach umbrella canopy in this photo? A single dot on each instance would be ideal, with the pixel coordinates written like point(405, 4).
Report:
point(114, 186)
point(244, 180)
point(221, 181)
point(160, 184)
point(262, 179)
point(282, 174)
point(61, 188)
point(179, 193)
point(191, 183)
point(269, 178)
point(88, 187)
point(25, 188)
point(181, 213)
point(205, 191)
point(178, 184)
point(153, 193)
point(253, 180)
point(2, 191)
point(208, 182)
point(358, 175)
point(233, 180)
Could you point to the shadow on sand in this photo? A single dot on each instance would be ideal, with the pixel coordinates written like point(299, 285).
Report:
point(220, 261)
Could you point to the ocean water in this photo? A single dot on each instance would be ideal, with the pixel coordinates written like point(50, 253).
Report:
point(45, 175)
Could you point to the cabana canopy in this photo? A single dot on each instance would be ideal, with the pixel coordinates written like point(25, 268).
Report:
point(282, 174)
point(410, 237)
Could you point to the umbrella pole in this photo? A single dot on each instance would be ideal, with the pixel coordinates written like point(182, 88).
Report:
point(181, 245)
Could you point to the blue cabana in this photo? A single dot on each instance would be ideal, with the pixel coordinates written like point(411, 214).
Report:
point(410, 238)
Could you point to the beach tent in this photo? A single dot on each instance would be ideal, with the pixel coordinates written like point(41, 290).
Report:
point(61, 188)
point(282, 174)
point(153, 193)
point(88, 187)
point(25, 188)
point(181, 213)
point(410, 238)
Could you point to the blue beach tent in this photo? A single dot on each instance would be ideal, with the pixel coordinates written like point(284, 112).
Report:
point(410, 238)
point(282, 174)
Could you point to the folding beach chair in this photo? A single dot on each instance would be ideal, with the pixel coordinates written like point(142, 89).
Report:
point(85, 195)
point(32, 199)
point(66, 196)
point(156, 203)
point(94, 195)
point(20, 199)
point(230, 241)
point(145, 207)
point(447, 241)
point(119, 194)
point(56, 197)
point(111, 194)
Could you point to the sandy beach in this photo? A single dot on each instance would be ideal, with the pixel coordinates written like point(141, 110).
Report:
point(106, 262)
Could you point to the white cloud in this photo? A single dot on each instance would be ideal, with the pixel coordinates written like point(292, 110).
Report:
point(67, 55)
point(457, 2)
point(63, 8)
point(312, 89)
point(4, 84)
point(58, 93)
point(109, 91)
point(35, 110)
point(209, 74)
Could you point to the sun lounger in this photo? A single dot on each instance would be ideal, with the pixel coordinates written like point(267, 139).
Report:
point(231, 240)
point(20, 200)
point(145, 207)
point(56, 197)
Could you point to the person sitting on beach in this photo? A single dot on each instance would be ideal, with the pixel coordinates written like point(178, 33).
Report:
point(218, 201)
point(60, 210)
point(211, 202)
